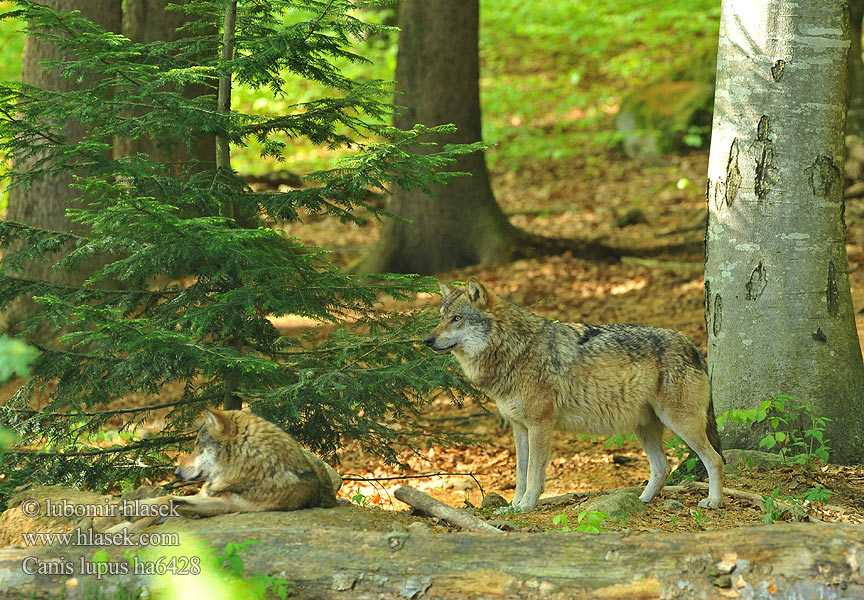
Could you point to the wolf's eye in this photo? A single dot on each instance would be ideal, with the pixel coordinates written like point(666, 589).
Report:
point(457, 318)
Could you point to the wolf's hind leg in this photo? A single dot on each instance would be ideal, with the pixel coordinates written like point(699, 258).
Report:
point(651, 437)
point(696, 437)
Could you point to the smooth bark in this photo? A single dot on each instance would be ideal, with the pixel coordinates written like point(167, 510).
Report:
point(778, 304)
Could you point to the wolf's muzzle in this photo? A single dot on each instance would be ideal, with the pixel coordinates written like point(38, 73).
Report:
point(430, 341)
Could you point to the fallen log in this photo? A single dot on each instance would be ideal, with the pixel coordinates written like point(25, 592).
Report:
point(798, 560)
point(428, 505)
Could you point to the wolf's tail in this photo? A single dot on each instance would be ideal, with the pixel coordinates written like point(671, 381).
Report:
point(698, 472)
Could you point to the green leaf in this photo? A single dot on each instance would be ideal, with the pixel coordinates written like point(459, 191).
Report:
point(767, 442)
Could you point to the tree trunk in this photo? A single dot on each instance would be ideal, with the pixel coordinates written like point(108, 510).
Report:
point(44, 204)
point(437, 74)
point(803, 560)
point(148, 21)
point(778, 305)
point(855, 117)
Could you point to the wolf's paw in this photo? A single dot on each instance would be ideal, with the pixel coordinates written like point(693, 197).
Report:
point(646, 497)
point(710, 502)
point(523, 506)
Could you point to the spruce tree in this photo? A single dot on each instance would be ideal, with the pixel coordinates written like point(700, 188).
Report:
point(195, 274)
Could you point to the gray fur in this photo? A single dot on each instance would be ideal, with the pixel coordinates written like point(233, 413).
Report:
point(594, 379)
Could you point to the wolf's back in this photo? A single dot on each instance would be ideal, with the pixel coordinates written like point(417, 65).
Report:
point(282, 452)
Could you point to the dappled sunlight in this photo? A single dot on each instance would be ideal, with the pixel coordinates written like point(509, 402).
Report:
point(629, 286)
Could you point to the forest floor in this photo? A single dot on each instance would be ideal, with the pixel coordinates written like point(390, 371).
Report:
point(659, 282)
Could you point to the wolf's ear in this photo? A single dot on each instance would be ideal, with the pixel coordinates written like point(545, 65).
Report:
point(217, 423)
point(446, 290)
point(477, 293)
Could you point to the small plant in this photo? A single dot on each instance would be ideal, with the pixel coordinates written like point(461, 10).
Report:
point(797, 433)
point(620, 440)
point(771, 511)
point(233, 575)
point(817, 495)
point(673, 520)
point(696, 136)
point(509, 510)
point(697, 515)
point(360, 498)
point(677, 445)
point(590, 521)
point(561, 520)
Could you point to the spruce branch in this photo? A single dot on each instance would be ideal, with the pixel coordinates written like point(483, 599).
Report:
point(110, 413)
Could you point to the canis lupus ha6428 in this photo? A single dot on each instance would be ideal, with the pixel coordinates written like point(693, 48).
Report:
point(604, 379)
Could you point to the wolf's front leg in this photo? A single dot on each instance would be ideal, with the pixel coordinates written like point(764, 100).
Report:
point(539, 449)
point(520, 437)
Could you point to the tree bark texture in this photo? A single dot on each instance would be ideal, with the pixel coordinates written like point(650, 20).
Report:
point(44, 204)
point(855, 116)
point(778, 304)
point(780, 562)
point(437, 74)
point(148, 21)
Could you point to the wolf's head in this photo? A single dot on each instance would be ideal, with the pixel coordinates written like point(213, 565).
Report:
point(465, 324)
point(218, 430)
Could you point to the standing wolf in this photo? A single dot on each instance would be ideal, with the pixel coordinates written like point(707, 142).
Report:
point(605, 379)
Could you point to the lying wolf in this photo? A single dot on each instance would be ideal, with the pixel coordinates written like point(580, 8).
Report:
point(249, 465)
point(606, 379)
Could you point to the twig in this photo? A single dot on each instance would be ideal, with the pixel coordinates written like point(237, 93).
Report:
point(479, 413)
point(734, 493)
point(154, 443)
point(423, 476)
point(318, 20)
point(375, 485)
point(574, 495)
point(430, 506)
point(97, 413)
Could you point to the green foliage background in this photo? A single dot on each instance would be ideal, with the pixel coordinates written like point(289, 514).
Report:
point(552, 73)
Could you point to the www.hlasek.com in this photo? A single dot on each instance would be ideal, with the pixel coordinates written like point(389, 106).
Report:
point(88, 537)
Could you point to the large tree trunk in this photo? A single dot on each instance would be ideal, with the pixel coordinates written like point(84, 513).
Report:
point(778, 304)
point(460, 223)
point(148, 21)
point(781, 562)
point(44, 204)
point(437, 74)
